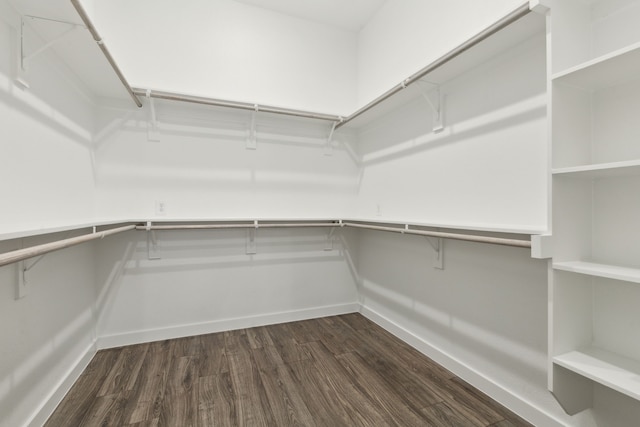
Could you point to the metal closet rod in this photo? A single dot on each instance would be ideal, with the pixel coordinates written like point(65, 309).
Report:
point(445, 235)
point(340, 121)
point(172, 96)
point(34, 251)
point(455, 236)
point(235, 226)
point(92, 29)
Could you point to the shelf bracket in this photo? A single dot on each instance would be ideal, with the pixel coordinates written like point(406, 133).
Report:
point(539, 6)
point(24, 58)
point(251, 239)
point(252, 140)
point(22, 288)
point(438, 246)
point(153, 134)
point(435, 100)
point(153, 248)
point(328, 245)
point(328, 148)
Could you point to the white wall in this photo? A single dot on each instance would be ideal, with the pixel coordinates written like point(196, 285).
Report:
point(488, 167)
point(406, 35)
point(206, 282)
point(46, 157)
point(483, 316)
point(46, 181)
point(224, 49)
point(48, 336)
point(201, 167)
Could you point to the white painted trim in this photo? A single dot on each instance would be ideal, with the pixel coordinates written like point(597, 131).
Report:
point(51, 402)
point(137, 337)
point(526, 409)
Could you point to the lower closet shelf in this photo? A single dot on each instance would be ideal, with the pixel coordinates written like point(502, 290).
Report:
point(600, 270)
point(612, 370)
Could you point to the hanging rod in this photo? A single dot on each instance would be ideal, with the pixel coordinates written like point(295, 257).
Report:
point(455, 236)
point(34, 251)
point(512, 17)
point(87, 21)
point(253, 225)
point(171, 96)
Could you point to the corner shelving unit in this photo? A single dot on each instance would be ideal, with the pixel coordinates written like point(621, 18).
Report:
point(594, 329)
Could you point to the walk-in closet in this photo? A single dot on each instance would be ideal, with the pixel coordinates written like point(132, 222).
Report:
point(319, 213)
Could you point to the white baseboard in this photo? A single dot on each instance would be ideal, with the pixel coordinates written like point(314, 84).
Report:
point(521, 406)
point(137, 337)
point(42, 414)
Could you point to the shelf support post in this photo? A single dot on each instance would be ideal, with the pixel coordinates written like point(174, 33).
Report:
point(251, 239)
point(252, 143)
point(22, 288)
point(328, 246)
point(436, 105)
point(438, 246)
point(153, 249)
point(153, 134)
point(328, 148)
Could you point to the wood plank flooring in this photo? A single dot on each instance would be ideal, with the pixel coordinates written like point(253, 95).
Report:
point(334, 371)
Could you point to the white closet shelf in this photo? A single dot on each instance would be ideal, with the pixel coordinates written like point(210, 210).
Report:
point(600, 270)
point(50, 229)
point(490, 228)
point(601, 170)
point(608, 70)
point(36, 231)
point(612, 370)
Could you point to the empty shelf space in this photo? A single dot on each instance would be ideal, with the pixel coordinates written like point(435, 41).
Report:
point(601, 170)
point(606, 368)
point(600, 270)
point(608, 70)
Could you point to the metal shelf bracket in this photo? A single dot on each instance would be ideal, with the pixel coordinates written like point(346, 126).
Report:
point(26, 58)
point(22, 288)
point(252, 139)
point(328, 148)
point(328, 246)
point(251, 240)
point(438, 246)
point(435, 99)
point(153, 248)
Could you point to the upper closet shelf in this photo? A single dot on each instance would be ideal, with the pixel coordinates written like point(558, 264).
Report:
point(39, 231)
point(505, 33)
point(601, 170)
point(511, 30)
point(608, 70)
point(482, 227)
point(600, 270)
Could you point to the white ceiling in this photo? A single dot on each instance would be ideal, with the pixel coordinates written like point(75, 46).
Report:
point(349, 15)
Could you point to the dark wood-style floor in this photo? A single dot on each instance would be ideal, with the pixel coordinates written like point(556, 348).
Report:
point(335, 371)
